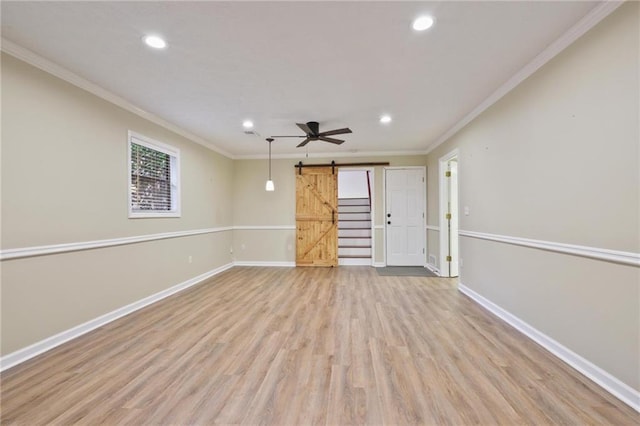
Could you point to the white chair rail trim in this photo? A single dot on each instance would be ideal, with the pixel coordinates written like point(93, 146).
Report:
point(264, 228)
point(19, 253)
point(614, 256)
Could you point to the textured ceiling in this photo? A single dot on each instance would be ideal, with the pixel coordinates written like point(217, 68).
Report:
point(278, 63)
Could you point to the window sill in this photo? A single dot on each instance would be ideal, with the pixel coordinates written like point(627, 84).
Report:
point(153, 215)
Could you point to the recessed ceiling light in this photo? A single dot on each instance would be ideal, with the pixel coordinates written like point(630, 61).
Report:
point(155, 42)
point(247, 124)
point(385, 119)
point(422, 23)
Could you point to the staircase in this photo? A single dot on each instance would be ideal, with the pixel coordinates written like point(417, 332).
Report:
point(354, 231)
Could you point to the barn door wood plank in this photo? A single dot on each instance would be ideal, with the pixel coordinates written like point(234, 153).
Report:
point(316, 217)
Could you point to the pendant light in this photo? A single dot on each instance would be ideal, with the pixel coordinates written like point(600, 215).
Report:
point(269, 186)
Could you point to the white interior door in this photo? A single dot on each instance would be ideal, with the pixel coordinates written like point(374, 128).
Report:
point(404, 217)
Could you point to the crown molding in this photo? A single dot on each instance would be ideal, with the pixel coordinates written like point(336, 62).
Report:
point(589, 21)
point(56, 70)
point(331, 155)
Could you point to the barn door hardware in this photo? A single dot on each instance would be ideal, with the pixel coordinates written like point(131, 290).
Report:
point(333, 164)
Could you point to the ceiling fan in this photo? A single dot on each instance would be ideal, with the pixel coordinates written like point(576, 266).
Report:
point(312, 133)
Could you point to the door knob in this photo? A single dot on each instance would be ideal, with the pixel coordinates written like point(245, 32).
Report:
point(388, 214)
point(388, 222)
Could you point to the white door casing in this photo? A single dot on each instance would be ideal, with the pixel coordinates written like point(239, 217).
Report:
point(405, 216)
point(445, 206)
point(453, 223)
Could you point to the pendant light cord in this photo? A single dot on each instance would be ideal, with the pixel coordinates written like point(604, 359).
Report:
point(269, 160)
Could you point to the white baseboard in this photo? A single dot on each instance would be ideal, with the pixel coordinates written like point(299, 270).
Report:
point(49, 343)
point(264, 263)
point(379, 264)
point(617, 388)
point(432, 269)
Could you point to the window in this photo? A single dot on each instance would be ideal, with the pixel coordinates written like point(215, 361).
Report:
point(154, 175)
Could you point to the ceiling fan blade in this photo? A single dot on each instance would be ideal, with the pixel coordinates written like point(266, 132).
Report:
point(288, 136)
point(304, 128)
point(303, 143)
point(331, 140)
point(335, 132)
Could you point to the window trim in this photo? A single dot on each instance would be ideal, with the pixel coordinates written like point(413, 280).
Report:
point(174, 154)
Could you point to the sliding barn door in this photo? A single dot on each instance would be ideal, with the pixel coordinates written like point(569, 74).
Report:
point(316, 216)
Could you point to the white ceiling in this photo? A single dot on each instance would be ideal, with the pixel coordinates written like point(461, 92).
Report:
point(278, 63)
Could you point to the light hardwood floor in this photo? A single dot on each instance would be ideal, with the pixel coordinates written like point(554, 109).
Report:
point(298, 346)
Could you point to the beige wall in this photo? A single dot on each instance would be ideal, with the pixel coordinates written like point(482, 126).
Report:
point(557, 159)
point(253, 206)
point(64, 180)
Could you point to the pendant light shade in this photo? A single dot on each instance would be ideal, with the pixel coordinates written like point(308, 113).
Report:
point(269, 185)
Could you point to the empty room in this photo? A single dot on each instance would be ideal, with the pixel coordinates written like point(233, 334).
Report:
point(320, 212)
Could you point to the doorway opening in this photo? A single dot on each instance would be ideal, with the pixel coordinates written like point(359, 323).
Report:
point(355, 216)
point(449, 215)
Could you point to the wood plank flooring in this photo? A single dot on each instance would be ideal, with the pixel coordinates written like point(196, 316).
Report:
point(303, 346)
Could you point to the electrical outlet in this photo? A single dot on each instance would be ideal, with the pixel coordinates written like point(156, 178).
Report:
point(190, 259)
point(289, 247)
point(242, 246)
point(230, 250)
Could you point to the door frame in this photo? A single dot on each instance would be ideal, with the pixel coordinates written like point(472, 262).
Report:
point(372, 170)
point(424, 210)
point(443, 202)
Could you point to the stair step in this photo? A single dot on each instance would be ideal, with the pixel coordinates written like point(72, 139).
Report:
point(354, 251)
point(353, 246)
point(353, 256)
point(354, 241)
point(354, 209)
point(354, 216)
point(354, 261)
point(353, 201)
point(354, 233)
point(354, 224)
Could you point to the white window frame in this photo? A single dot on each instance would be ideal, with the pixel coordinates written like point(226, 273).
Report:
point(174, 155)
